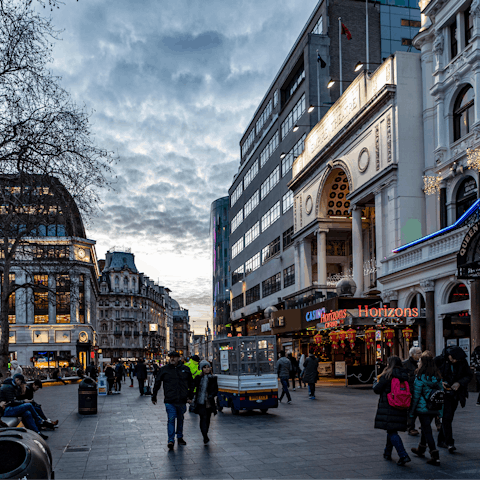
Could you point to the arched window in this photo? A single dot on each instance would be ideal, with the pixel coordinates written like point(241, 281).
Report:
point(104, 327)
point(466, 196)
point(125, 283)
point(117, 281)
point(463, 114)
point(413, 303)
point(459, 293)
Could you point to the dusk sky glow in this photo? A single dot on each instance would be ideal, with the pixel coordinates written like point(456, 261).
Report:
point(172, 87)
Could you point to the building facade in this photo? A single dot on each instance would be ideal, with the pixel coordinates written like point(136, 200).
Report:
point(181, 330)
point(262, 255)
point(131, 311)
point(428, 269)
point(219, 233)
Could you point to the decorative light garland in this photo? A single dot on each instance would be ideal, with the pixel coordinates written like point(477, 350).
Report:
point(431, 184)
point(473, 158)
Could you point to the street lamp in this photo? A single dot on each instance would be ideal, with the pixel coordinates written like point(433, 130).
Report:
point(360, 65)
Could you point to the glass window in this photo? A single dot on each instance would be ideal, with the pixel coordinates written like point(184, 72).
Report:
point(287, 201)
point(275, 98)
point(271, 250)
point(453, 39)
point(459, 293)
point(289, 276)
point(237, 248)
point(248, 143)
point(237, 302)
point(271, 216)
point(463, 113)
point(270, 182)
point(252, 295)
point(252, 234)
point(318, 28)
point(468, 25)
point(252, 264)
point(63, 299)
point(297, 111)
point(251, 204)
point(251, 174)
point(267, 152)
point(263, 117)
point(272, 285)
point(295, 83)
point(237, 193)
point(237, 220)
point(287, 238)
point(290, 157)
point(40, 292)
point(466, 196)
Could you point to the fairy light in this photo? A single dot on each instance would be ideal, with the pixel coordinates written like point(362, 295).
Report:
point(473, 158)
point(431, 184)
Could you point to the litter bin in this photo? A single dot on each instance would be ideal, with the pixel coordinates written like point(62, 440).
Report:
point(24, 454)
point(87, 397)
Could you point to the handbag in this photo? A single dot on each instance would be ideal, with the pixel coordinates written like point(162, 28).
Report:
point(193, 406)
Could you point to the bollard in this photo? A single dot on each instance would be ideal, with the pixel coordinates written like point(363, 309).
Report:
point(87, 397)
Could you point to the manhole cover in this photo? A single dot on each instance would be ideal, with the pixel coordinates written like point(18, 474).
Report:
point(71, 449)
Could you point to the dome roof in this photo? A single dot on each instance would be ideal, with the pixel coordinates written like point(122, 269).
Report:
point(346, 287)
point(175, 305)
point(118, 261)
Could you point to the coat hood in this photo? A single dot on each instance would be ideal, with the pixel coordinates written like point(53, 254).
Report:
point(457, 353)
point(430, 382)
point(400, 373)
point(14, 364)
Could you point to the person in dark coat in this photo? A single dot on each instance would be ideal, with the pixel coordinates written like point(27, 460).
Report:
point(119, 373)
point(206, 390)
point(476, 365)
point(388, 418)
point(27, 394)
point(456, 375)
point(294, 372)
point(110, 374)
point(141, 374)
point(310, 374)
point(91, 371)
point(178, 390)
point(411, 365)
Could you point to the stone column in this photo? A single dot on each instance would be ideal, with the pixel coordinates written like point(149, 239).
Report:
point(52, 301)
point(357, 247)
point(419, 306)
point(305, 272)
point(74, 298)
point(475, 314)
point(322, 258)
point(440, 122)
point(429, 288)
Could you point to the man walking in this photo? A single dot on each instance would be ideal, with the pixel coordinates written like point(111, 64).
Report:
point(294, 372)
point(91, 371)
point(141, 374)
point(284, 368)
point(178, 390)
point(119, 372)
point(411, 365)
point(310, 374)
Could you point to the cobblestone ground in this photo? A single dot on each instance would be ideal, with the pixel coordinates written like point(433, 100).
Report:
point(331, 437)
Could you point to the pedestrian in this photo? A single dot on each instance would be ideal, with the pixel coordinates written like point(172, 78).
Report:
point(411, 365)
point(476, 365)
point(389, 418)
point(294, 371)
point(192, 364)
point(428, 381)
point(119, 372)
point(110, 374)
point(141, 374)
point(301, 367)
point(27, 394)
point(178, 390)
point(310, 374)
point(131, 373)
point(15, 368)
point(206, 388)
point(91, 371)
point(284, 368)
point(456, 375)
point(58, 378)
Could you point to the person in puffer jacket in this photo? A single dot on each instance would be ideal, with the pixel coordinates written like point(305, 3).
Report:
point(427, 380)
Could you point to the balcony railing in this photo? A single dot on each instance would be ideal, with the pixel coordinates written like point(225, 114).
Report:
point(136, 333)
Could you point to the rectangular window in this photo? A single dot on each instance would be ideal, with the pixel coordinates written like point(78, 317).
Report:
point(272, 285)
point(252, 264)
point(411, 23)
point(236, 194)
point(251, 204)
point(81, 298)
point(468, 25)
point(297, 111)
point(237, 302)
point(63, 299)
point(237, 275)
point(275, 98)
point(271, 250)
point(40, 293)
point(453, 39)
point(248, 143)
point(237, 220)
point(406, 42)
point(295, 83)
point(11, 300)
point(251, 174)
point(252, 234)
point(271, 216)
point(270, 182)
point(318, 28)
point(237, 248)
point(287, 201)
point(290, 157)
point(263, 117)
point(289, 276)
point(252, 295)
point(287, 238)
point(272, 145)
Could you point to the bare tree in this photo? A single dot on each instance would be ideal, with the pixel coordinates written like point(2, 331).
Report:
point(50, 166)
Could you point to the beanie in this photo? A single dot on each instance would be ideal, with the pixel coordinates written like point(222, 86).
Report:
point(203, 363)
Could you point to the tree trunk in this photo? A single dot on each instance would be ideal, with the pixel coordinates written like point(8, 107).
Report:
point(4, 325)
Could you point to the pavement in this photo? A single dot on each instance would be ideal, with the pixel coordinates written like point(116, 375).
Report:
point(330, 437)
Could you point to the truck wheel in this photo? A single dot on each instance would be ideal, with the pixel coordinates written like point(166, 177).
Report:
point(264, 410)
point(235, 411)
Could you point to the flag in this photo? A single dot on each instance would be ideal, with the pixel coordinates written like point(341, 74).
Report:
point(321, 61)
point(346, 31)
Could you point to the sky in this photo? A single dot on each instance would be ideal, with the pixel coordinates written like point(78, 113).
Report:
point(171, 87)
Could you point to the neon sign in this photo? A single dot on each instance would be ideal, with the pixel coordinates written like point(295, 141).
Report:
point(322, 315)
point(386, 312)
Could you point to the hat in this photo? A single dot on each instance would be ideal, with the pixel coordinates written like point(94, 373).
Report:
point(20, 376)
point(196, 358)
point(173, 353)
point(203, 363)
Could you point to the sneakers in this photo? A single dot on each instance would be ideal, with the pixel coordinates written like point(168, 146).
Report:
point(43, 436)
point(289, 402)
point(312, 398)
point(181, 441)
point(170, 445)
point(293, 389)
point(403, 461)
point(451, 448)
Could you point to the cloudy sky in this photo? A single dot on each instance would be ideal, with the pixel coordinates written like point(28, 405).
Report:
point(172, 86)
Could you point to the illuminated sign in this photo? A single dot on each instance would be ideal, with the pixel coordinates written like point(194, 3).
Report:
point(153, 327)
point(386, 312)
point(321, 314)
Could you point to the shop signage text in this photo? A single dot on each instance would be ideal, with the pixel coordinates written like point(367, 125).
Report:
point(321, 314)
point(386, 312)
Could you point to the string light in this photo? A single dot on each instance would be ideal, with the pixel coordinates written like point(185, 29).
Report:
point(431, 184)
point(473, 158)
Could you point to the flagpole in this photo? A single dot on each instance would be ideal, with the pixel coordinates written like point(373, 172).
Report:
point(368, 50)
point(340, 51)
point(318, 87)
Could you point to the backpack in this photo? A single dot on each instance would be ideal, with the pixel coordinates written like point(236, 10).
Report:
point(400, 396)
point(435, 400)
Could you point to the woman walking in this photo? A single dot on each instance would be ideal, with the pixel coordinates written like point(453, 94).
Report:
point(301, 367)
point(427, 382)
point(206, 389)
point(388, 417)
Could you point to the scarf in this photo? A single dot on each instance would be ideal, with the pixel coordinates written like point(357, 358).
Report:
point(202, 391)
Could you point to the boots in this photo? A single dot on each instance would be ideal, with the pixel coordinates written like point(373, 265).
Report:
point(435, 460)
point(420, 450)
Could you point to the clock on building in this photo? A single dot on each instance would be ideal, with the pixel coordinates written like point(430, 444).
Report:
point(83, 337)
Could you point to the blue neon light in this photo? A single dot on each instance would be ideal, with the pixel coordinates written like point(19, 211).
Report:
point(441, 232)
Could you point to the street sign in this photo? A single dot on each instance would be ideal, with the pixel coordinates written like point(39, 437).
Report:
point(96, 348)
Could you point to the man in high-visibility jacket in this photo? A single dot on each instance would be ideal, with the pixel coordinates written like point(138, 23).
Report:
point(192, 364)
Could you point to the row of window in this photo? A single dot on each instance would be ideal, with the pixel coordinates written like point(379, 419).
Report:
point(252, 234)
point(267, 152)
point(251, 174)
point(297, 149)
point(267, 111)
point(457, 43)
point(270, 182)
point(236, 194)
point(269, 287)
point(251, 204)
point(271, 216)
point(318, 28)
point(295, 83)
point(237, 220)
point(297, 111)
point(248, 143)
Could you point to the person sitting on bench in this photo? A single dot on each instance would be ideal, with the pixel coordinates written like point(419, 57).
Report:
point(27, 394)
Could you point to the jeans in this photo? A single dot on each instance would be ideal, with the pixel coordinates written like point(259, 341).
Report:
point(141, 385)
point(427, 435)
point(39, 410)
point(285, 391)
point(30, 417)
point(110, 382)
point(394, 440)
point(449, 408)
point(205, 415)
point(311, 389)
point(118, 384)
point(175, 411)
